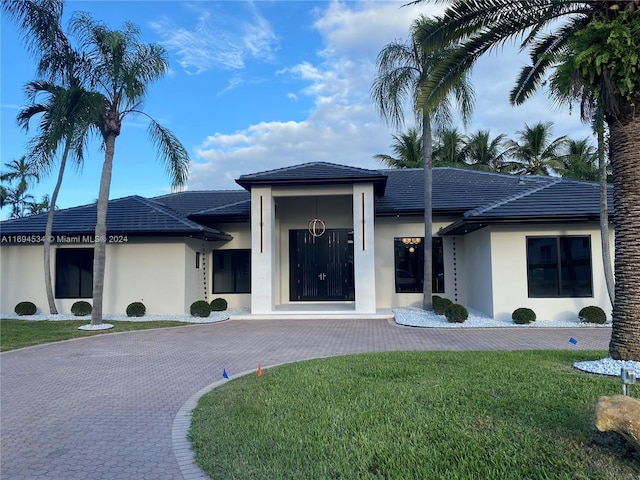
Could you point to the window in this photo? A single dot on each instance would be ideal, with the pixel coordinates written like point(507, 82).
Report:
point(74, 273)
point(232, 271)
point(409, 264)
point(559, 267)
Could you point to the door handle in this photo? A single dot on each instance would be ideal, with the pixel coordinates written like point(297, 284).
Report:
point(322, 276)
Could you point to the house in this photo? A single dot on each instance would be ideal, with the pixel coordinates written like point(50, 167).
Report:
point(326, 238)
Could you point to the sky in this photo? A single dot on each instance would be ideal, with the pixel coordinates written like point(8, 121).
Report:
point(257, 85)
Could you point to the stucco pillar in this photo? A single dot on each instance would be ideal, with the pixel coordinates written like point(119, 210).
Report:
point(263, 250)
point(364, 248)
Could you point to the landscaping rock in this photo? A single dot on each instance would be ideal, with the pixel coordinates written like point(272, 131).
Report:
point(621, 414)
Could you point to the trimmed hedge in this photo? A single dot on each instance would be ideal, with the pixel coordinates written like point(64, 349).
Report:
point(218, 305)
point(592, 314)
point(523, 316)
point(81, 308)
point(456, 313)
point(200, 308)
point(25, 308)
point(440, 305)
point(136, 309)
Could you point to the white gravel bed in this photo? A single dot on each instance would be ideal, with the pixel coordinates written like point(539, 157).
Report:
point(212, 318)
point(416, 317)
point(608, 366)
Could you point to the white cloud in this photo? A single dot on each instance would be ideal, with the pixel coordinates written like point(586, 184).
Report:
point(216, 40)
point(343, 126)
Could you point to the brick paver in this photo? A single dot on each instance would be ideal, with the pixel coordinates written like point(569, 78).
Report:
point(104, 407)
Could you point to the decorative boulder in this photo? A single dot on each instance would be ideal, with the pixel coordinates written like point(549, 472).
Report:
point(620, 414)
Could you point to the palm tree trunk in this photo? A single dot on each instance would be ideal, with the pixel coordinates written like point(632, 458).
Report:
point(99, 255)
point(427, 153)
point(604, 214)
point(625, 159)
point(49, 229)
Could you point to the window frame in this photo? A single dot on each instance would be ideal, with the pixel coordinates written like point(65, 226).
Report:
point(562, 290)
point(236, 262)
point(438, 248)
point(60, 263)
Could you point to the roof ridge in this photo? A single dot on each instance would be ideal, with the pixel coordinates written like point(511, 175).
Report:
point(163, 209)
point(220, 207)
point(308, 164)
point(510, 198)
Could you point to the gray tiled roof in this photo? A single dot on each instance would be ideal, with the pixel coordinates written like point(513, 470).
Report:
point(129, 215)
point(316, 173)
point(476, 198)
point(454, 190)
point(190, 202)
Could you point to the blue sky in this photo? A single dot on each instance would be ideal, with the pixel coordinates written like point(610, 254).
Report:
point(259, 85)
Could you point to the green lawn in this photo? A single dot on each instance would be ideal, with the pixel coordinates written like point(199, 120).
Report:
point(25, 333)
point(414, 415)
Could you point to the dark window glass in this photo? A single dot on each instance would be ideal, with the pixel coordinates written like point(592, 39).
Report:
point(559, 267)
point(409, 264)
point(232, 271)
point(74, 273)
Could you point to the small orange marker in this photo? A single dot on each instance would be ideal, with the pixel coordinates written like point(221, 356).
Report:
point(259, 370)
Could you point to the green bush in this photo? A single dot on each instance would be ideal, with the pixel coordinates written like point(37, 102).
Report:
point(218, 305)
point(136, 309)
point(200, 308)
point(81, 308)
point(522, 316)
point(456, 313)
point(440, 305)
point(25, 308)
point(592, 314)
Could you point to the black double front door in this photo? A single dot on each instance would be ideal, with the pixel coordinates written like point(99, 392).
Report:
point(321, 268)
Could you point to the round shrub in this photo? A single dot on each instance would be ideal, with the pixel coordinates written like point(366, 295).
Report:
point(456, 313)
point(81, 308)
point(522, 316)
point(200, 308)
point(218, 305)
point(136, 309)
point(592, 314)
point(440, 305)
point(25, 308)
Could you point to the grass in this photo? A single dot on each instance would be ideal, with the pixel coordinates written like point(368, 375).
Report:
point(413, 415)
point(25, 333)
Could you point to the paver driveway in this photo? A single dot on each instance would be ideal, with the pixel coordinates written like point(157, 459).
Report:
point(102, 407)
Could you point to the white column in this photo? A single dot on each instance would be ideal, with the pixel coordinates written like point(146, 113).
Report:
point(364, 248)
point(262, 250)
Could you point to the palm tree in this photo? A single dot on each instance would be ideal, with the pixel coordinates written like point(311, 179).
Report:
point(67, 117)
point(19, 202)
point(580, 161)
point(566, 87)
point(482, 153)
point(35, 207)
point(408, 150)
point(22, 170)
point(69, 112)
point(121, 70)
point(605, 35)
point(403, 69)
point(450, 149)
point(534, 152)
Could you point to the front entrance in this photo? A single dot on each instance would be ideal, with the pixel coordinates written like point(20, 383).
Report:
point(321, 267)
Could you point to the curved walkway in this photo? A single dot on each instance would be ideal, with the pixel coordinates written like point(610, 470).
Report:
point(104, 407)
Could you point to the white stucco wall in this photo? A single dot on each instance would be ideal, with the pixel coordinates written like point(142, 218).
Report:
point(509, 261)
point(476, 260)
point(160, 273)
